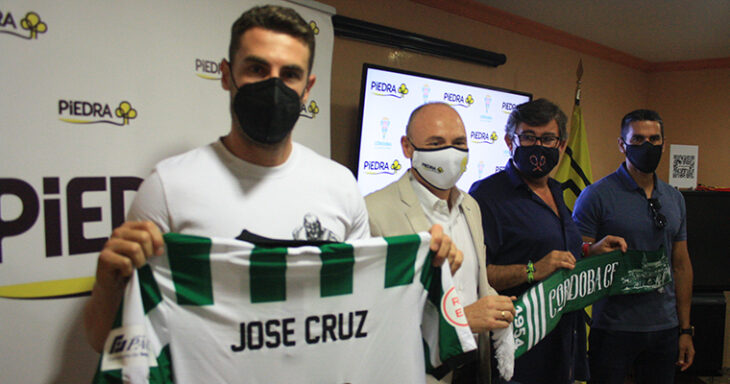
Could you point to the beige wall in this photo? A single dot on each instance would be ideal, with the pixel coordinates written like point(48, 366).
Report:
point(696, 111)
point(694, 104)
point(609, 90)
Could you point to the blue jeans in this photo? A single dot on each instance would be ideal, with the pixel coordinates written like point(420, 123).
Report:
point(652, 355)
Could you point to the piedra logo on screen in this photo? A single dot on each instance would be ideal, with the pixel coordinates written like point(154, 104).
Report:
point(458, 100)
point(382, 88)
point(88, 112)
point(27, 27)
point(376, 167)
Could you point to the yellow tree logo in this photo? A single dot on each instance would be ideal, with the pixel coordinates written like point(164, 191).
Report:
point(469, 100)
point(403, 89)
point(396, 165)
point(33, 23)
point(315, 28)
point(126, 112)
point(313, 108)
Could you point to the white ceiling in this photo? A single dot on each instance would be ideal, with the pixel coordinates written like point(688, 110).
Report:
point(652, 30)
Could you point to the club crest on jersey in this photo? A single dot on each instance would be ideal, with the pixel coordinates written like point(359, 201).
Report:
point(452, 309)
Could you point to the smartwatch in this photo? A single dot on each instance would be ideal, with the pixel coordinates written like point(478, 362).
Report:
point(687, 331)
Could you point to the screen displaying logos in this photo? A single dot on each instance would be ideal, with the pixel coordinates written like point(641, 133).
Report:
point(388, 96)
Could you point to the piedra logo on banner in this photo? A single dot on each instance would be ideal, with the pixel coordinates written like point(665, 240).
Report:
point(91, 112)
point(207, 69)
point(309, 111)
point(376, 167)
point(28, 27)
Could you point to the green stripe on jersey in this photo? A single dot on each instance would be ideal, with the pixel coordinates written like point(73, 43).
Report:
point(189, 258)
point(148, 288)
point(267, 275)
point(400, 262)
point(338, 261)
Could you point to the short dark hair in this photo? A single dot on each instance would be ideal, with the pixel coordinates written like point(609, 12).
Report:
point(537, 113)
point(640, 115)
point(274, 18)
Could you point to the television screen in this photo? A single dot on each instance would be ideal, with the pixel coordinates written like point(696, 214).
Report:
point(388, 96)
point(707, 231)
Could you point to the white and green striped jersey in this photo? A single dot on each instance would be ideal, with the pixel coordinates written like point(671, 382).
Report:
point(224, 311)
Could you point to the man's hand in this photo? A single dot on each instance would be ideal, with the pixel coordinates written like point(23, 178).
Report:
point(686, 352)
point(608, 244)
point(490, 312)
point(444, 249)
point(128, 248)
point(552, 262)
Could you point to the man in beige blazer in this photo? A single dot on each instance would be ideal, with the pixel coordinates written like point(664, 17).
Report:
point(425, 195)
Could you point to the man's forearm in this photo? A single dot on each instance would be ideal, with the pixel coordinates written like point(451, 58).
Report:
point(683, 276)
point(99, 314)
point(506, 276)
point(683, 287)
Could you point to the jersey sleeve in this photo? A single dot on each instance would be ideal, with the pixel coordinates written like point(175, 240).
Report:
point(150, 203)
point(447, 337)
point(136, 350)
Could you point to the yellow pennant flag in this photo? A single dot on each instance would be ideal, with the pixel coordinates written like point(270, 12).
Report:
point(574, 170)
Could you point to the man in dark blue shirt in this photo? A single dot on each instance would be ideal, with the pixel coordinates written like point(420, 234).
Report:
point(640, 331)
point(529, 234)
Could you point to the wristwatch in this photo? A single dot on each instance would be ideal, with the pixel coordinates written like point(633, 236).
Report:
point(687, 331)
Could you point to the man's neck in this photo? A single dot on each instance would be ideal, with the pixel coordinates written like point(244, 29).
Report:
point(440, 193)
point(645, 181)
point(259, 154)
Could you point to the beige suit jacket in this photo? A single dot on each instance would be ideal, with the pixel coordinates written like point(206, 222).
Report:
point(395, 210)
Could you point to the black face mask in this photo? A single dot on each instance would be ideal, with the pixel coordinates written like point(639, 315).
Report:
point(267, 110)
point(644, 157)
point(535, 161)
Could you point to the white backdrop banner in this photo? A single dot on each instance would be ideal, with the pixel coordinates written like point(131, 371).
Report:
point(94, 94)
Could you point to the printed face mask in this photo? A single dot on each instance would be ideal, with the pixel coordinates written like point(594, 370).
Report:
point(267, 110)
point(535, 161)
point(440, 167)
point(645, 157)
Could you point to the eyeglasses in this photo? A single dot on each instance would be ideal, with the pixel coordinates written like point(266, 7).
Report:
point(659, 220)
point(549, 141)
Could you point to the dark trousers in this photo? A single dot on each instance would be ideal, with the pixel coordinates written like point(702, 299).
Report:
point(651, 355)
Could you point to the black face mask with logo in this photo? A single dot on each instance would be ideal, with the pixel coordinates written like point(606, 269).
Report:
point(267, 110)
point(644, 157)
point(535, 161)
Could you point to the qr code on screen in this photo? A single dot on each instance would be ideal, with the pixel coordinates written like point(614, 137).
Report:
point(683, 166)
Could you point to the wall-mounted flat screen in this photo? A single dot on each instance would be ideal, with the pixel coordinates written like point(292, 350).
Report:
point(388, 96)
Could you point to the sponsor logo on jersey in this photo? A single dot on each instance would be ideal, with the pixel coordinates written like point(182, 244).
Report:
point(94, 112)
point(207, 69)
point(377, 167)
point(28, 27)
point(381, 88)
